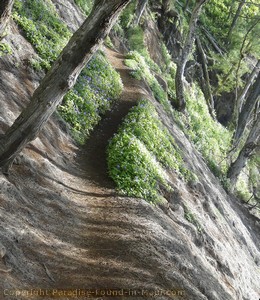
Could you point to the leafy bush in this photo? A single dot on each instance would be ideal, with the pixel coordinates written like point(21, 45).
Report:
point(133, 36)
point(210, 137)
point(43, 28)
point(97, 86)
point(134, 170)
point(219, 15)
point(136, 61)
point(215, 17)
point(139, 152)
point(166, 57)
point(242, 188)
point(227, 73)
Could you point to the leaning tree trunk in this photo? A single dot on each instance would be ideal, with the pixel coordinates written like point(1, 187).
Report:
point(239, 100)
point(179, 78)
point(207, 89)
point(140, 8)
point(246, 112)
point(61, 77)
point(248, 84)
point(247, 150)
point(5, 12)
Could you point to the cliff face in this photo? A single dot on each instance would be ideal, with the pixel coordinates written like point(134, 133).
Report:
point(63, 227)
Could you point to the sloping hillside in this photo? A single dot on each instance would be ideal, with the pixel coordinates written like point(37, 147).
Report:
point(64, 225)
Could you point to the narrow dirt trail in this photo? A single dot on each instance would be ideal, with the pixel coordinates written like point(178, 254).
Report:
point(62, 227)
point(93, 157)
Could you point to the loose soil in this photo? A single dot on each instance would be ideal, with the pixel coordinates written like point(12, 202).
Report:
point(94, 152)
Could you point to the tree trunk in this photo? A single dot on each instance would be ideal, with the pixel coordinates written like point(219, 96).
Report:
point(186, 5)
point(179, 78)
point(234, 21)
point(240, 100)
point(180, 99)
point(207, 92)
point(213, 41)
point(141, 4)
point(5, 12)
point(230, 9)
point(246, 113)
point(61, 77)
point(245, 153)
point(250, 81)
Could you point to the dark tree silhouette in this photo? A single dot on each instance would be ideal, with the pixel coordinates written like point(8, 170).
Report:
point(246, 112)
point(247, 150)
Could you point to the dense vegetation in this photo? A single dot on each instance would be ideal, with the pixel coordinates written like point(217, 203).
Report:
point(139, 153)
point(96, 89)
point(43, 28)
point(143, 151)
point(98, 84)
point(229, 63)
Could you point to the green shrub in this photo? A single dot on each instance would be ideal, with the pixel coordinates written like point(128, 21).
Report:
point(166, 57)
point(242, 187)
point(226, 68)
point(136, 39)
point(215, 17)
point(42, 27)
point(141, 70)
point(139, 153)
point(211, 139)
point(133, 168)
